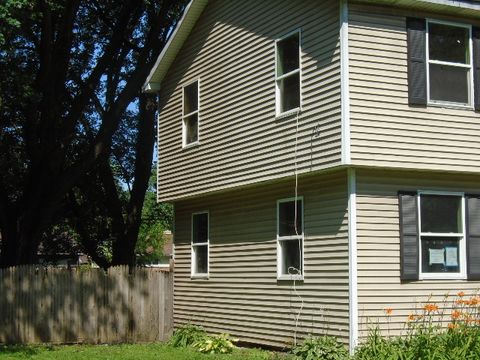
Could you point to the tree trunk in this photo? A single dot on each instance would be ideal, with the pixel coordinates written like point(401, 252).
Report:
point(9, 248)
point(124, 248)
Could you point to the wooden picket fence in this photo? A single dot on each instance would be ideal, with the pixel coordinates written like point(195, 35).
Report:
point(52, 305)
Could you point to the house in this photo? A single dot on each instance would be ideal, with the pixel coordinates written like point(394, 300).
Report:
point(323, 159)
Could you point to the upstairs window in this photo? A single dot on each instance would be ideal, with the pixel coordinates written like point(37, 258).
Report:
point(287, 73)
point(443, 63)
point(190, 113)
point(449, 63)
point(200, 244)
point(290, 239)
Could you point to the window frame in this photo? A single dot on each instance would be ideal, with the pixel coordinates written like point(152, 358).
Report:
point(469, 66)
point(193, 259)
point(462, 274)
point(298, 71)
point(280, 239)
point(185, 116)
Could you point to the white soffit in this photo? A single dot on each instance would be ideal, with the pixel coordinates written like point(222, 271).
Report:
point(167, 56)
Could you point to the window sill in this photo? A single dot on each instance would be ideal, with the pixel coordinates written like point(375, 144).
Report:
point(288, 113)
point(199, 277)
point(191, 145)
point(447, 105)
point(442, 277)
point(290, 277)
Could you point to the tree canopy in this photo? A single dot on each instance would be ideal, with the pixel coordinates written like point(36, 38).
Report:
point(76, 133)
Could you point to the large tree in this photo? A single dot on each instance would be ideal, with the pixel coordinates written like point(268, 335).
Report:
point(71, 74)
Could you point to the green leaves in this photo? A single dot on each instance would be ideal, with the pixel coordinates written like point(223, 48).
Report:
point(219, 344)
point(324, 347)
point(195, 336)
point(8, 16)
point(426, 345)
point(187, 335)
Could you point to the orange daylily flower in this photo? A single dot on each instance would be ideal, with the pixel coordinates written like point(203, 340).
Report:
point(461, 294)
point(411, 317)
point(452, 326)
point(472, 302)
point(456, 314)
point(388, 311)
point(430, 308)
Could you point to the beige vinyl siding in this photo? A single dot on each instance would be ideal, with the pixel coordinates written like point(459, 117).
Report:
point(379, 284)
point(242, 295)
point(231, 50)
point(385, 130)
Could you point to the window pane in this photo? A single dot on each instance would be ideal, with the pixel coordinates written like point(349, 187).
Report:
point(291, 257)
point(201, 259)
point(200, 228)
point(286, 218)
point(441, 214)
point(440, 254)
point(191, 129)
point(190, 98)
point(288, 54)
point(449, 83)
point(290, 93)
point(448, 43)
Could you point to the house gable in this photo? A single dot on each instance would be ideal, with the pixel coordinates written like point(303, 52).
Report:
point(231, 52)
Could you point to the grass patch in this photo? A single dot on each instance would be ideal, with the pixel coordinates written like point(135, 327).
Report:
point(130, 352)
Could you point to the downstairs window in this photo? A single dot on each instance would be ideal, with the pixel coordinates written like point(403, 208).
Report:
point(290, 239)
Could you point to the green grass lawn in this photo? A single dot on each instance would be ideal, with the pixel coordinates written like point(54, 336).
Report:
point(130, 352)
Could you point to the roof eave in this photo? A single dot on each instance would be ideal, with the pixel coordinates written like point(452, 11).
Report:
point(455, 7)
point(172, 47)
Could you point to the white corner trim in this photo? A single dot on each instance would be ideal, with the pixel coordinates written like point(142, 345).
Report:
point(352, 259)
point(345, 85)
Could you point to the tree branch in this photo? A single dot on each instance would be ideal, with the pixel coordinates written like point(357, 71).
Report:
point(130, 12)
point(63, 46)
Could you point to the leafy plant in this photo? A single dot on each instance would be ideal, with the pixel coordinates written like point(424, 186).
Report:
point(219, 344)
point(426, 338)
point(188, 335)
point(324, 347)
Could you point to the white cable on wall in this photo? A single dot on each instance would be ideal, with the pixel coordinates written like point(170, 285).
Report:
point(292, 269)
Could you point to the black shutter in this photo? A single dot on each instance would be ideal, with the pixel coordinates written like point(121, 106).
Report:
point(473, 236)
point(409, 251)
point(417, 67)
point(476, 67)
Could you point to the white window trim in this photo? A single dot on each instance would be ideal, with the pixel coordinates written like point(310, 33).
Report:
point(184, 116)
point(470, 105)
point(301, 237)
point(278, 113)
point(193, 259)
point(462, 275)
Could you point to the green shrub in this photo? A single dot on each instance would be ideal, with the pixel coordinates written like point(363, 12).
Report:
point(324, 347)
point(187, 335)
point(219, 344)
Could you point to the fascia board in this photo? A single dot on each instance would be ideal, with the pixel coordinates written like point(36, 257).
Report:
point(188, 20)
